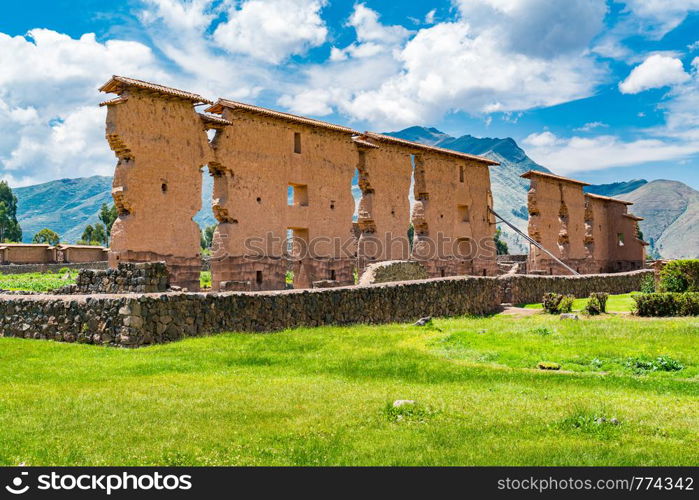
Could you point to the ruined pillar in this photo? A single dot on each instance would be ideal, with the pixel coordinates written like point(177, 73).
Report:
point(384, 176)
point(161, 145)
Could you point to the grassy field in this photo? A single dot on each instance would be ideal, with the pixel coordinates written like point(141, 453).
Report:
point(616, 303)
point(324, 396)
point(37, 282)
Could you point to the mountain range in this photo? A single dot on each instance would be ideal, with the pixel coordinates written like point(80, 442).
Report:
point(670, 208)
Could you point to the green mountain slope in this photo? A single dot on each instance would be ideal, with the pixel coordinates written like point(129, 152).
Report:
point(68, 205)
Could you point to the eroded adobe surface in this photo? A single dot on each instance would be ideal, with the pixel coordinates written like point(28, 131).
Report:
point(161, 145)
point(590, 233)
point(283, 194)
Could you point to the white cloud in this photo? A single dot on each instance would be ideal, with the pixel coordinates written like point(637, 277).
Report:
point(588, 127)
point(272, 30)
point(655, 72)
point(429, 17)
point(580, 154)
point(655, 18)
point(487, 61)
point(51, 124)
point(541, 140)
point(539, 28)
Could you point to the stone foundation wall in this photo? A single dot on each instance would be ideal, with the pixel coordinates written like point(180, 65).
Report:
point(49, 268)
point(132, 320)
point(392, 270)
point(135, 320)
point(528, 289)
point(145, 277)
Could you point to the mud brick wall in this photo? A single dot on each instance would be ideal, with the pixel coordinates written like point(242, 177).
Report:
point(527, 289)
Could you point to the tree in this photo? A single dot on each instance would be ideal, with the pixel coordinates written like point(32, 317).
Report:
point(46, 236)
point(10, 229)
point(108, 214)
point(500, 246)
point(208, 236)
point(94, 235)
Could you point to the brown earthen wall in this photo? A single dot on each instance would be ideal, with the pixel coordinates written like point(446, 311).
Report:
point(256, 163)
point(579, 229)
point(453, 228)
point(384, 177)
point(27, 254)
point(161, 145)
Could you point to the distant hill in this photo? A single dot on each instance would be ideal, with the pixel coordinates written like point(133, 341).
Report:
point(671, 210)
point(616, 188)
point(509, 189)
point(68, 205)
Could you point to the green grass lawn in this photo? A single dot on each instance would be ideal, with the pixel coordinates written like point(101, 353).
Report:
point(616, 303)
point(324, 396)
point(37, 282)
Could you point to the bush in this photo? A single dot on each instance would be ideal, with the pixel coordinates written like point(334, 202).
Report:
point(667, 304)
point(555, 303)
point(648, 284)
point(680, 276)
point(597, 304)
point(566, 304)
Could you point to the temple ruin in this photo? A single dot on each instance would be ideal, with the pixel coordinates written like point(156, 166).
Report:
point(588, 232)
point(283, 194)
point(284, 205)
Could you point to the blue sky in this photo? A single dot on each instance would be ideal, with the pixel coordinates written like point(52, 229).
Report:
point(599, 90)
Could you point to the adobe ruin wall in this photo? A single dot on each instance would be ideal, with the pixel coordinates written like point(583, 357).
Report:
point(589, 233)
point(258, 157)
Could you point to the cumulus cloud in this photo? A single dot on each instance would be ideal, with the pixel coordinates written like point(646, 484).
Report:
point(484, 62)
point(539, 28)
point(272, 30)
point(655, 72)
point(51, 124)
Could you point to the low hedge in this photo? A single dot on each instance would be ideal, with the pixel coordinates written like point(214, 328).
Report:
point(680, 276)
point(667, 304)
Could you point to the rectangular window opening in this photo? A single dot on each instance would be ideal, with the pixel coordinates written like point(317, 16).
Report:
point(332, 275)
point(297, 195)
point(620, 239)
point(258, 277)
point(461, 173)
point(463, 213)
point(297, 142)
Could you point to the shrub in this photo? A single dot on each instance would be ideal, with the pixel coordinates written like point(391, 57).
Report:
point(659, 364)
point(555, 303)
point(597, 304)
point(680, 276)
point(566, 304)
point(667, 304)
point(648, 284)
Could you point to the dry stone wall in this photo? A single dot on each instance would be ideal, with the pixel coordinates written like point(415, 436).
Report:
point(527, 289)
point(136, 320)
point(142, 277)
point(395, 270)
point(132, 320)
